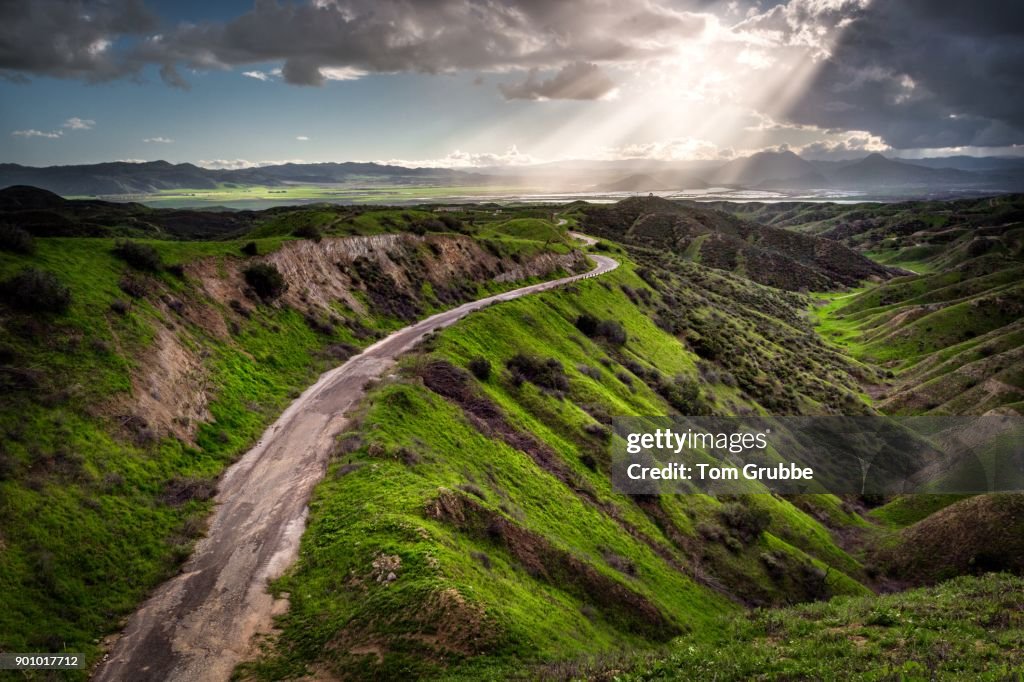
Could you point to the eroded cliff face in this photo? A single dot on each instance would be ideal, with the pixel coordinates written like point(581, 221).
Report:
point(335, 282)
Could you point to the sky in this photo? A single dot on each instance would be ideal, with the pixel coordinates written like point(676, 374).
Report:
point(481, 83)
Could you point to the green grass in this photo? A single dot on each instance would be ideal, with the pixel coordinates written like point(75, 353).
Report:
point(967, 628)
point(86, 524)
point(411, 446)
point(256, 197)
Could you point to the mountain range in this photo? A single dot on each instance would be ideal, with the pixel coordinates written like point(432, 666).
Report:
point(769, 170)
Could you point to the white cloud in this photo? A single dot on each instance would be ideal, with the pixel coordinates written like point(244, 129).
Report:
point(158, 140)
point(345, 73)
point(32, 132)
point(258, 75)
point(240, 164)
point(460, 159)
point(302, 138)
point(75, 123)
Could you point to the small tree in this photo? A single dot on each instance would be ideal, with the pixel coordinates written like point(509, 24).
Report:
point(251, 249)
point(15, 239)
point(36, 290)
point(139, 256)
point(613, 332)
point(480, 367)
point(266, 280)
point(309, 232)
point(587, 324)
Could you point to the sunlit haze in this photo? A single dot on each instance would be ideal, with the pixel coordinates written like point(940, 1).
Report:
point(462, 84)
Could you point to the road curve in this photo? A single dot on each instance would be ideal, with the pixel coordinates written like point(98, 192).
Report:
point(199, 625)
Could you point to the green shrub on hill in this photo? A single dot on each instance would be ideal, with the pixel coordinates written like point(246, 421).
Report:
point(139, 256)
point(266, 280)
point(34, 290)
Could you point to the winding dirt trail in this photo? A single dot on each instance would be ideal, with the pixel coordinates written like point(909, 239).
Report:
point(199, 625)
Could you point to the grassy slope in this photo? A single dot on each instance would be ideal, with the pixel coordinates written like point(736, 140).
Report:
point(412, 445)
point(968, 628)
point(93, 515)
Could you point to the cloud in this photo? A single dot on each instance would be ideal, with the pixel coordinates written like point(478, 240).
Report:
point(460, 159)
point(852, 145)
point(302, 138)
point(69, 38)
point(158, 140)
point(241, 164)
point(328, 40)
point(32, 132)
point(75, 123)
point(918, 75)
point(578, 80)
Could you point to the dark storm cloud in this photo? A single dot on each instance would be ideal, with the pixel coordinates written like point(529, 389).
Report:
point(68, 39)
point(382, 36)
point(924, 73)
point(429, 36)
point(578, 80)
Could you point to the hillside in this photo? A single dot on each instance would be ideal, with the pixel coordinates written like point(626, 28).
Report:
point(766, 255)
point(908, 636)
point(466, 526)
point(126, 178)
point(949, 335)
point(133, 372)
point(470, 510)
point(769, 169)
point(875, 170)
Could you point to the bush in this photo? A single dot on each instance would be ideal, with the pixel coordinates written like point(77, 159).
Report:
point(309, 232)
point(587, 324)
point(251, 249)
point(610, 330)
point(139, 256)
point(34, 290)
point(266, 280)
point(480, 367)
point(747, 522)
point(547, 374)
point(613, 332)
point(682, 393)
point(134, 286)
point(16, 239)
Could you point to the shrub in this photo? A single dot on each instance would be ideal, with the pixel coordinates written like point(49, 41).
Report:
point(547, 374)
point(451, 222)
point(613, 332)
point(36, 290)
point(480, 367)
point(251, 249)
point(309, 232)
point(682, 393)
point(139, 256)
point(134, 286)
point(747, 522)
point(610, 330)
point(266, 280)
point(587, 324)
point(15, 239)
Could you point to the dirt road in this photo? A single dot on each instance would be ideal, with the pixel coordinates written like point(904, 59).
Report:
point(199, 624)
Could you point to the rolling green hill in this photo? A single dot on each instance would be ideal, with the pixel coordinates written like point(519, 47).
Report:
point(133, 372)
point(467, 526)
